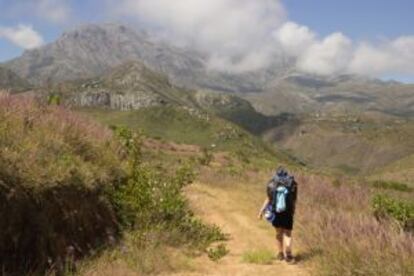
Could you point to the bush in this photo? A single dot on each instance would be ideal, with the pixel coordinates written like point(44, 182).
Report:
point(151, 198)
point(387, 207)
point(206, 157)
point(391, 185)
point(218, 252)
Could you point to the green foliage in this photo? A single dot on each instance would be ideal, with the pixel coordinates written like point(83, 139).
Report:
point(262, 257)
point(152, 198)
point(387, 207)
point(77, 186)
point(53, 99)
point(207, 156)
point(218, 252)
point(181, 126)
point(391, 185)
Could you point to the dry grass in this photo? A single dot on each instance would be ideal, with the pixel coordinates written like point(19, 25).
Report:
point(54, 167)
point(337, 226)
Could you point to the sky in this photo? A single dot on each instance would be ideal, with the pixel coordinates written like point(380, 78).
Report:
point(324, 37)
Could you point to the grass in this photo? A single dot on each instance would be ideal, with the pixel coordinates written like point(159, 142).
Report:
point(54, 166)
point(261, 257)
point(391, 185)
point(70, 187)
point(181, 126)
point(349, 144)
point(338, 222)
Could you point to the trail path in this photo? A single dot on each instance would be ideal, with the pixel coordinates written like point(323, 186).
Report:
point(235, 212)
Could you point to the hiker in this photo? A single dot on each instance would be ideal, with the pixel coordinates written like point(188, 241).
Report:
point(279, 209)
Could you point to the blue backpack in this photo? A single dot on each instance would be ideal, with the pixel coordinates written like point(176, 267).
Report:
point(283, 184)
point(280, 196)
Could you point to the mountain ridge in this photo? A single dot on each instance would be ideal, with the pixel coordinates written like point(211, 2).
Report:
point(90, 50)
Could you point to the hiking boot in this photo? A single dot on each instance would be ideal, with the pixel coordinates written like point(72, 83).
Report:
point(289, 259)
point(280, 256)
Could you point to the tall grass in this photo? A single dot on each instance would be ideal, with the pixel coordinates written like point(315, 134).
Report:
point(53, 168)
point(337, 226)
point(69, 186)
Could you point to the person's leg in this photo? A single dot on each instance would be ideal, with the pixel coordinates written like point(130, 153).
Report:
point(287, 243)
point(279, 242)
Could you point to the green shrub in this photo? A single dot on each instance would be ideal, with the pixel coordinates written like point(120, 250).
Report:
point(206, 157)
point(152, 198)
point(387, 207)
point(53, 99)
point(391, 185)
point(217, 252)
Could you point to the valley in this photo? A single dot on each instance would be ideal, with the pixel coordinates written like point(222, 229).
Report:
point(110, 129)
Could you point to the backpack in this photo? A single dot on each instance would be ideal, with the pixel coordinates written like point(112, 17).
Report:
point(280, 193)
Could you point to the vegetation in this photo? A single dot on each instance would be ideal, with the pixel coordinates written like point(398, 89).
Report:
point(218, 252)
point(69, 187)
point(337, 228)
point(391, 185)
point(262, 257)
point(349, 143)
point(386, 207)
point(202, 129)
point(53, 168)
point(151, 198)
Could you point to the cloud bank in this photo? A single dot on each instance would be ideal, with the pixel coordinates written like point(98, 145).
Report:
point(337, 54)
point(245, 35)
point(22, 36)
point(236, 33)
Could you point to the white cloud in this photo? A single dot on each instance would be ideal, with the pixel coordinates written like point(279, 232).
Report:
point(23, 36)
point(235, 32)
point(329, 56)
point(337, 54)
point(294, 38)
point(386, 58)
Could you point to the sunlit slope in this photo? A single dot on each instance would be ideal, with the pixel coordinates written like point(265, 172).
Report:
point(346, 142)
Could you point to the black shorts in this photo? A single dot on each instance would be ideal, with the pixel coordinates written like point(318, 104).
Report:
point(283, 220)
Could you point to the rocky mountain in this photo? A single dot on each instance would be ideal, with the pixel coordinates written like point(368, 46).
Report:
point(11, 81)
point(91, 50)
point(133, 86)
point(130, 86)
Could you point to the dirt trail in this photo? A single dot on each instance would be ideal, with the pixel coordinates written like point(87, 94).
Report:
point(235, 212)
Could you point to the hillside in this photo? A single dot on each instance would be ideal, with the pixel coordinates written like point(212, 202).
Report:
point(11, 81)
point(132, 86)
point(127, 87)
point(301, 93)
point(355, 143)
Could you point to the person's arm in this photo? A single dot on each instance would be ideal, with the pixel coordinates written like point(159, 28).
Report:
point(295, 196)
point(265, 203)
